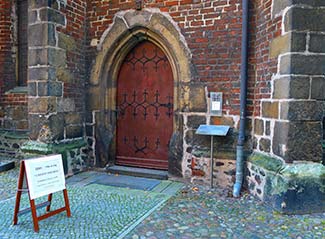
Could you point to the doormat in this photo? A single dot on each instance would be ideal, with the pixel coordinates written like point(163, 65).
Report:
point(97, 211)
point(125, 181)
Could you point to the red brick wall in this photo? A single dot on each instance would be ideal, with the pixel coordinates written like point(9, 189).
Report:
point(261, 66)
point(7, 55)
point(212, 30)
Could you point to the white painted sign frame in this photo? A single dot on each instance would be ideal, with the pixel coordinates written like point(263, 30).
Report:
point(45, 175)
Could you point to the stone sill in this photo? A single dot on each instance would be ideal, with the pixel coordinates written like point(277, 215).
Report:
point(297, 188)
point(18, 90)
point(49, 148)
point(14, 134)
point(6, 165)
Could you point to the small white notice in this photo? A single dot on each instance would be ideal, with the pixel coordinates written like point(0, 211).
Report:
point(45, 175)
point(216, 106)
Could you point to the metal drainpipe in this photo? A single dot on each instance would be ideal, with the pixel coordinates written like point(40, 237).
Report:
point(243, 93)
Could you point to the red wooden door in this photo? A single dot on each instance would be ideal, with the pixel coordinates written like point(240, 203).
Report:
point(145, 108)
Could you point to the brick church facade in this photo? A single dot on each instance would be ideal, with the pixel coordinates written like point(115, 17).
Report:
point(66, 68)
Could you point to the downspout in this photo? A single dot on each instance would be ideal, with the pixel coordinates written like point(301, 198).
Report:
point(243, 93)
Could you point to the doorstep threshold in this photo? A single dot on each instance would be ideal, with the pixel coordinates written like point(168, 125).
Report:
point(138, 172)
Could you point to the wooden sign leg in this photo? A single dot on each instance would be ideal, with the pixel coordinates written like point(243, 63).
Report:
point(19, 191)
point(49, 199)
point(66, 201)
point(34, 215)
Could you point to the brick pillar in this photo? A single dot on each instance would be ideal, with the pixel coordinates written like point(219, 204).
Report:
point(7, 47)
point(44, 59)
point(299, 86)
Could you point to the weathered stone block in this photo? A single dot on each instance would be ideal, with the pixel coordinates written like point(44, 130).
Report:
point(36, 122)
point(270, 109)
point(280, 139)
point(291, 87)
point(288, 188)
point(294, 42)
point(259, 127)
point(197, 99)
point(296, 64)
point(32, 16)
point(301, 110)
point(19, 112)
point(94, 102)
point(175, 154)
point(66, 105)
point(265, 145)
point(64, 75)
point(72, 157)
point(268, 128)
point(304, 19)
point(42, 104)
point(50, 88)
point(73, 118)
point(47, 57)
point(32, 89)
point(318, 88)
point(316, 43)
point(56, 124)
point(298, 141)
point(44, 73)
point(38, 57)
point(66, 42)
point(90, 130)
point(74, 131)
point(222, 120)
point(194, 121)
point(22, 124)
point(51, 15)
point(57, 58)
point(201, 144)
point(42, 34)
point(138, 17)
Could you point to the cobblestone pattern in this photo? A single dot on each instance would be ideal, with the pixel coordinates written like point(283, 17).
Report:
point(97, 212)
point(196, 212)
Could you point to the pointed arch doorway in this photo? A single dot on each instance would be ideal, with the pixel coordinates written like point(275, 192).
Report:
point(145, 108)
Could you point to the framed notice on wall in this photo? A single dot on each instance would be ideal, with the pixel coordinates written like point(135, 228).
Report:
point(45, 175)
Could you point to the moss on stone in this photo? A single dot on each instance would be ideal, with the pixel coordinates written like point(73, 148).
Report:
point(14, 134)
point(303, 170)
point(279, 184)
point(284, 176)
point(35, 147)
point(44, 148)
point(266, 162)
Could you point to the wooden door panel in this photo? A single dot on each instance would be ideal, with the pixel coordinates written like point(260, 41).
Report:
point(145, 108)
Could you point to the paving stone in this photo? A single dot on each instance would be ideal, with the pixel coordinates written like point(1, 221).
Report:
point(195, 212)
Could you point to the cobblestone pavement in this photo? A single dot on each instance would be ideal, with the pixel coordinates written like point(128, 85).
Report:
point(198, 212)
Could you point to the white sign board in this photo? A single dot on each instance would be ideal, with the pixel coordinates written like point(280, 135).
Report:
point(45, 175)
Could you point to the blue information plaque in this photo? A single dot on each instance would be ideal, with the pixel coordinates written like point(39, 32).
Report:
point(216, 130)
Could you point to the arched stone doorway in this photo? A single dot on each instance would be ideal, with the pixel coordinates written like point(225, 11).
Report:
point(129, 29)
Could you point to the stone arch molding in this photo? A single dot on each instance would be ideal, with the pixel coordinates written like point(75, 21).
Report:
point(128, 29)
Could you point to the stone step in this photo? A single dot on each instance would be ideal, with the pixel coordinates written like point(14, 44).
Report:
point(6, 165)
point(138, 172)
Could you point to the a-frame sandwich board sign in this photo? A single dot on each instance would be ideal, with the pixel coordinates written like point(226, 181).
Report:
point(42, 176)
